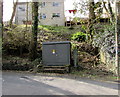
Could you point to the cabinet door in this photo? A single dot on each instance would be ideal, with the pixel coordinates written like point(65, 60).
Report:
point(49, 54)
point(63, 54)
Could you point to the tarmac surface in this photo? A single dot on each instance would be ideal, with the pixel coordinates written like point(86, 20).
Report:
point(16, 83)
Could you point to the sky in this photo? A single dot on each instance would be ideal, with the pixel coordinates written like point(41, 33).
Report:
point(8, 4)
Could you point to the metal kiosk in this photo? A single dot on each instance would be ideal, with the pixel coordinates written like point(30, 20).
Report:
point(56, 55)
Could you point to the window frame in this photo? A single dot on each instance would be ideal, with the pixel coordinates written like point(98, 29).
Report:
point(55, 15)
point(42, 16)
point(21, 8)
point(42, 4)
point(55, 4)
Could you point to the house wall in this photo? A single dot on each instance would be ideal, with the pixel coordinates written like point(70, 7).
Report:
point(48, 10)
point(21, 13)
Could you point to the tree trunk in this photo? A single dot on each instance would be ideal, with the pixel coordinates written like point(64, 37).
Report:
point(91, 18)
point(109, 10)
point(13, 13)
point(33, 44)
point(112, 18)
point(117, 37)
point(104, 5)
point(91, 10)
point(26, 15)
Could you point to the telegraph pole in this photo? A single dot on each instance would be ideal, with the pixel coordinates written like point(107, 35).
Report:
point(117, 35)
point(1, 20)
point(1, 31)
point(1, 17)
point(27, 14)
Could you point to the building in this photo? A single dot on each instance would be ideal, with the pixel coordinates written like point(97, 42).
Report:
point(22, 15)
point(51, 12)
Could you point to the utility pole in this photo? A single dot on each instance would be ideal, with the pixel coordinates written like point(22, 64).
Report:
point(1, 17)
point(26, 15)
point(1, 21)
point(1, 31)
point(117, 35)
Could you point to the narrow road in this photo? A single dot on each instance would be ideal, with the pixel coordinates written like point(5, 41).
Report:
point(14, 83)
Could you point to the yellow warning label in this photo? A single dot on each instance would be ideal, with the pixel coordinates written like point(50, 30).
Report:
point(53, 51)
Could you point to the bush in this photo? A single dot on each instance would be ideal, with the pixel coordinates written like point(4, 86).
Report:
point(79, 36)
point(16, 41)
point(16, 63)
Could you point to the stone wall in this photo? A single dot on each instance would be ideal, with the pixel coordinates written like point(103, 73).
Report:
point(109, 60)
point(105, 41)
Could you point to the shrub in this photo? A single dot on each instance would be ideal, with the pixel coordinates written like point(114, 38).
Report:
point(79, 36)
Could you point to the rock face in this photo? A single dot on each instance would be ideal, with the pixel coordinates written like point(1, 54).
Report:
point(105, 41)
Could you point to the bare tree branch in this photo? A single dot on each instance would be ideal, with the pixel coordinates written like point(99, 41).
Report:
point(13, 13)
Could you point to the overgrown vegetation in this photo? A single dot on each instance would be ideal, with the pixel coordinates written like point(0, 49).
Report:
point(16, 40)
point(79, 37)
point(19, 38)
point(90, 38)
point(57, 29)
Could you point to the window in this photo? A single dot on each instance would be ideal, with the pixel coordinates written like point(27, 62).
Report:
point(56, 15)
point(42, 16)
point(42, 4)
point(55, 4)
point(22, 9)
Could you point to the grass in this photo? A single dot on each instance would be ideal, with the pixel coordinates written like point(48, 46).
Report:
point(53, 28)
point(59, 29)
point(46, 28)
point(92, 74)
